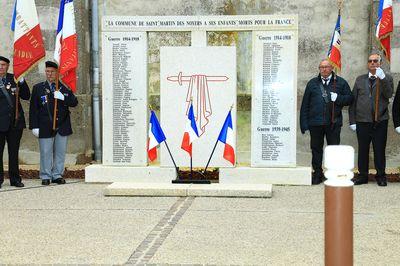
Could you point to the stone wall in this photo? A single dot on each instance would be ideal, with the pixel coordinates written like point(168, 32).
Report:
point(316, 22)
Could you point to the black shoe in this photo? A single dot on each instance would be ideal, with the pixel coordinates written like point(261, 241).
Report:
point(46, 182)
point(359, 180)
point(59, 181)
point(317, 178)
point(17, 184)
point(381, 181)
point(0, 185)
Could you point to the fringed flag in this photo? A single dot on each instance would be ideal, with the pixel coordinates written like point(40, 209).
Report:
point(156, 136)
point(66, 50)
point(384, 26)
point(227, 137)
point(28, 41)
point(334, 55)
point(191, 132)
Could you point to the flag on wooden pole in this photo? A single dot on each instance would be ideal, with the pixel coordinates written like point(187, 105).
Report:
point(66, 48)
point(384, 26)
point(28, 41)
point(334, 53)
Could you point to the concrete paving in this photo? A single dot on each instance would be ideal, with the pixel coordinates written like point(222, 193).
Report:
point(76, 224)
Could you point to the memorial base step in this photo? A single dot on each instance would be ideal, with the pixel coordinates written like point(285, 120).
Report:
point(99, 173)
point(253, 175)
point(188, 190)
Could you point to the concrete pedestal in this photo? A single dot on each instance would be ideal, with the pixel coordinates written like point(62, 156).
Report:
point(99, 173)
point(279, 176)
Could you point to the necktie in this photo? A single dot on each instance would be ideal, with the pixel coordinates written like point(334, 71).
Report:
point(53, 87)
point(325, 81)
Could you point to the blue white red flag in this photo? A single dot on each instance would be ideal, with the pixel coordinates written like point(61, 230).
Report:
point(28, 41)
point(191, 132)
point(384, 26)
point(66, 49)
point(227, 137)
point(334, 55)
point(156, 136)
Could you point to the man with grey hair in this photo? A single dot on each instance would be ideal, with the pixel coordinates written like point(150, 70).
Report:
point(321, 113)
point(369, 116)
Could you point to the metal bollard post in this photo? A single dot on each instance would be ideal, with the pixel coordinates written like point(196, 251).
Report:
point(339, 161)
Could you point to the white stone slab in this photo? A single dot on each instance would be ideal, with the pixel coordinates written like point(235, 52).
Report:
point(124, 66)
point(278, 176)
point(189, 190)
point(106, 174)
point(396, 12)
point(231, 190)
point(184, 71)
point(395, 64)
point(143, 189)
point(274, 99)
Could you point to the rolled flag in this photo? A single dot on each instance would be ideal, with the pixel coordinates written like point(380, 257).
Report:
point(384, 26)
point(66, 48)
point(28, 41)
point(191, 132)
point(227, 137)
point(156, 136)
point(334, 55)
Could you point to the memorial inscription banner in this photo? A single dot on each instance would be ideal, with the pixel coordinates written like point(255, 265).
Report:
point(207, 76)
point(124, 98)
point(274, 98)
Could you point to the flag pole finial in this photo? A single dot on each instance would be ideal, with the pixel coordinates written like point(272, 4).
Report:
point(150, 107)
point(340, 5)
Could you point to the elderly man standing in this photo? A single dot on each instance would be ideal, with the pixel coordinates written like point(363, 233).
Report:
point(52, 143)
point(12, 120)
point(369, 116)
point(321, 113)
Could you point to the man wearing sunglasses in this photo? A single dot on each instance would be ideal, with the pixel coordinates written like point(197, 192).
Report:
point(369, 116)
point(321, 113)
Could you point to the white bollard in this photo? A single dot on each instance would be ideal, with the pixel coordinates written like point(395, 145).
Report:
point(339, 161)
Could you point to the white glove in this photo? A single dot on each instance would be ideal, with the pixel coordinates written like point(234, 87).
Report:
point(353, 127)
point(333, 96)
point(21, 80)
point(397, 129)
point(379, 73)
point(35, 132)
point(59, 95)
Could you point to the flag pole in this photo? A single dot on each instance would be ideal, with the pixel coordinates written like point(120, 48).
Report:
point(169, 151)
point(55, 102)
point(16, 105)
point(215, 146)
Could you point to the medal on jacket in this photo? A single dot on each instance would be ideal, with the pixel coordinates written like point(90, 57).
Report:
point(43, 99)
point(13, 90)
point(8, 86)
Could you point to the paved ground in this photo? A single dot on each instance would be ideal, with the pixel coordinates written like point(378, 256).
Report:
point(76, 224)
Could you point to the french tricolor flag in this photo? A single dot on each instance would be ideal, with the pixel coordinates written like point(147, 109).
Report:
point(156, 136)
point(227, 136)
point(384, 25)
point(28, 41)
point(191, 132)
point(66, 50)
point(334, 55)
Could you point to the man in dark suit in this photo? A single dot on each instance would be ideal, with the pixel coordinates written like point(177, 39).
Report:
point(396, 110)
point(52, 143)
point(12, 120)
point(369, 117)
point(321, 113)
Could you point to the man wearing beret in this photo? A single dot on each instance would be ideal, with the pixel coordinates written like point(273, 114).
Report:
point(52, 143)
point(12, 120)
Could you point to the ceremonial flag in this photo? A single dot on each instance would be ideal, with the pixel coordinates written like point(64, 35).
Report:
point(191, 132)
point(156, 136)
point(334, 55)
point(227, 137)
point(28, 41)
point(384, 26)
point(66, 49)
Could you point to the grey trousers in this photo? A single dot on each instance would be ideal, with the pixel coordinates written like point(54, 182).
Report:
point(52, 156)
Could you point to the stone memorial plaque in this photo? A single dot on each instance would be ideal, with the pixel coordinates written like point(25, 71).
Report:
point(125, 108)
point(208, 76)
point(274, 99)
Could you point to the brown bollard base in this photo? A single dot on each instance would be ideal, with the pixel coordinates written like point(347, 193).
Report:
point(338, 226)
